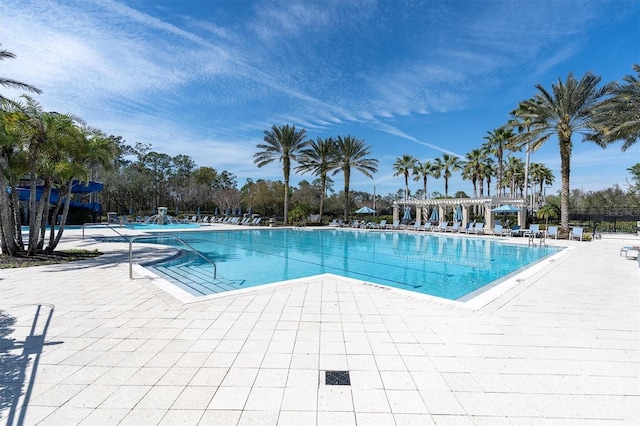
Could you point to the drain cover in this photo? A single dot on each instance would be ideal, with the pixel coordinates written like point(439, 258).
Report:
point(337, 378)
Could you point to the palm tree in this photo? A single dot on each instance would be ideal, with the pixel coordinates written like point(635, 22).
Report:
point(446, 164)
point(352, 153)
point(547, 212)
point(423, 171)
point(619, 116)
point(284, 144)
point(404, 166)
point(318, 159)
point(514, 173)
point(6, 82)
point(541, 175)
point(569, 108)
point(472, 168)
point(496, 144)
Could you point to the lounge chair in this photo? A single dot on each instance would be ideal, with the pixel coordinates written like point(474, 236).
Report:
point(442, 227)
point(500, 231)
point(534, 229)
point(334, 222)
point(381, 225)
point(454, 228)
point(396, 224)
point(552, 231)
point(478, 228)
point(517, 231)
point(427, 227)
point(576, 232)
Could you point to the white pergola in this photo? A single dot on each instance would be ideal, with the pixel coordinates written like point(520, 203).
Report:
point(444, 205)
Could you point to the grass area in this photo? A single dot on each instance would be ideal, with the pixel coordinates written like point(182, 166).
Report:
point(39, 259)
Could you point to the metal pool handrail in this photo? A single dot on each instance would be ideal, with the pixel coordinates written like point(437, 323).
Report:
point(139, 237)
point(101, 225)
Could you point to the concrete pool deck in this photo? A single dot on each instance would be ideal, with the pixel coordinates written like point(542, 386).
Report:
point(81, 343)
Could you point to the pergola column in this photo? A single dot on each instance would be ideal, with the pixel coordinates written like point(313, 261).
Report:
point(488, 217)
point(419, 214)
point(441, 213)
point(465, 216)
point(396, 215)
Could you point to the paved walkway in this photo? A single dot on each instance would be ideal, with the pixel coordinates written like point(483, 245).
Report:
point(83, 344)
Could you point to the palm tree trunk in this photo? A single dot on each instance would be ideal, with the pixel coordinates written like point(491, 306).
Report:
point(565, 171)
point(286, 168)
point(424, 188)
point(346, 173)
point(7, 229)
point(323, 184)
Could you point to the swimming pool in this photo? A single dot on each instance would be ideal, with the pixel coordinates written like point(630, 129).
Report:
point(435, 264)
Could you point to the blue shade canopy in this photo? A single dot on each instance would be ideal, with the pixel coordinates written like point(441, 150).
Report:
point(365, 210)
point(507, 208)
point(457, 216)
point(407, 213)
point(434, 214)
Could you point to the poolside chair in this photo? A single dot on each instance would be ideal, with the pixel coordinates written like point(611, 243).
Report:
point(552, 231)
point(416, 226)
point(478, 228)
point(334, 222)
point(442, 227)
point(534, 229)
point(427, 227)
point(576, 232)
point(396, 224)
point(500, 231)
point(517, 231)
point(256, 221)
point(381, 225)
point(454, 228)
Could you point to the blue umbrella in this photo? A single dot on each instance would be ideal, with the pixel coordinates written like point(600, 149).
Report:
point(407, 213)
point(368, 210)
point(434, 214)
point(198, 213)
point(228, 211)
point(457, 216)
point(216, 212)
point(239, 211)
point(177, 210)
point(250, 212)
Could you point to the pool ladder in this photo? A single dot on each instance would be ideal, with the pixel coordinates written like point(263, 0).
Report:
point(542, 242)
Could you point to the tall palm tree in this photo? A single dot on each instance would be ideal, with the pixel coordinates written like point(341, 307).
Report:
point(541, 175)
point(6, 82)
point(472, 168)
point(496, 144)
point(446, 164)
point(284, 144)
point(423, 171)
point(404, 166)
point(514, 174)
point(569, 108)
point(319, 159)
point(353, 153)
point(619, 116)
point(487, 170)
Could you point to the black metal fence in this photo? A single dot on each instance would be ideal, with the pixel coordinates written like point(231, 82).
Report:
point(622, 223)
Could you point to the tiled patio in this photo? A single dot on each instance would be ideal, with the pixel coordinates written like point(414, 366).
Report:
point(83, 344)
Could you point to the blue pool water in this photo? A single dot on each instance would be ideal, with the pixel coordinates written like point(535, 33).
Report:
point(154, 226)
point(439, 265)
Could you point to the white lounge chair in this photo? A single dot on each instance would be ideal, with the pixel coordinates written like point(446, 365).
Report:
point(534, 229)
point(454, 228)
point(478, 228)
point(552, 231)
point(576, 232)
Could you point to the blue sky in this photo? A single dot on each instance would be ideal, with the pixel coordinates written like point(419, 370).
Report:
point(205, 77)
